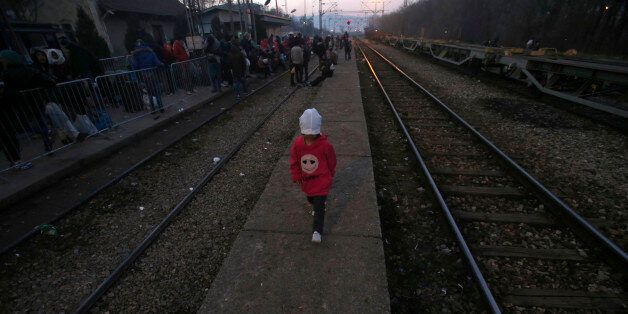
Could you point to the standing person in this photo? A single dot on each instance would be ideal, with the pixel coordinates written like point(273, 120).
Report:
point(307, 53)
point(296, 63)
point(168, 60)
point(238, 70)
point(313, 166)
point(18, 77)
point(348, 46)
point(143, 58)
point(180, 53)
point(214, 73)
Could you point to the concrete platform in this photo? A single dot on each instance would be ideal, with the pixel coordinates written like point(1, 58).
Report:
point(273, 267)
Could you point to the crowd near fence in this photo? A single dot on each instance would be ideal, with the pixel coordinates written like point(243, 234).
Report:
point(54, 118)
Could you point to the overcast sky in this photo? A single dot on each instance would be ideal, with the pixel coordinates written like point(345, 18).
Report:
point(345, 5)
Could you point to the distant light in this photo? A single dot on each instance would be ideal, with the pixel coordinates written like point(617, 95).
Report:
point(606, 7)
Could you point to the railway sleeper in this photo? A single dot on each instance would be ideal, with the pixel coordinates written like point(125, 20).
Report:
point(569, 299)
point(505, 191)
point(521, 252)
point(531, 219)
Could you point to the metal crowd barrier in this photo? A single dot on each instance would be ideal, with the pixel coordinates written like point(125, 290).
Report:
point(115, 64)
point(45, 120)
point(50, 119)
point(133, 94)
point(190, 74)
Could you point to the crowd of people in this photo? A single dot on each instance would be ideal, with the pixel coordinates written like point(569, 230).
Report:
point(230, 60)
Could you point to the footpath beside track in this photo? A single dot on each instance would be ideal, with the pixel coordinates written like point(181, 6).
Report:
point(273, 266)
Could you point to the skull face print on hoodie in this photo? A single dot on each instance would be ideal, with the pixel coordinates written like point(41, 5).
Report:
point(313, 165)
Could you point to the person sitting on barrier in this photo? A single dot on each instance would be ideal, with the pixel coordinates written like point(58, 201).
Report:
point(313, 166)
point(15, 112)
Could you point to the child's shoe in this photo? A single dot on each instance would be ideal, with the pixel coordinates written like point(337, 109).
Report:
point(316, 237)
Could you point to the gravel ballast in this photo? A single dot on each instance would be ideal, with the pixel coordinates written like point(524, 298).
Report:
point(425, 270)
point(583, 162)
point(52, 273)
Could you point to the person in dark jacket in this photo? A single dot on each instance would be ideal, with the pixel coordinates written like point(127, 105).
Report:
point(58, 70)
point(82, 62)
point(17, 77)
point(143, 58)
point(214, 72)
point(238, 70)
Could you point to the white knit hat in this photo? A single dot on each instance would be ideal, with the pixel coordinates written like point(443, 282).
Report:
point(310, 122)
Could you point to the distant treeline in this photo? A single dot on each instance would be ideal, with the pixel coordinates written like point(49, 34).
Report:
point(591, 26)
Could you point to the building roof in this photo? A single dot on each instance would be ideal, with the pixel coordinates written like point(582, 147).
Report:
point(256, 8)
point(152, 7)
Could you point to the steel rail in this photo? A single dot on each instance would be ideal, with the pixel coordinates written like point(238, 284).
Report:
point(475, 270)
point(619, 257)
point(137, 165)
point(87, 303)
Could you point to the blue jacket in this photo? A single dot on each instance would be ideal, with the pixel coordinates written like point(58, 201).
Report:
point(144, 58)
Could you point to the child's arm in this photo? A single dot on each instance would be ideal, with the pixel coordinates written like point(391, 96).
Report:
point(331, 159)
point(295, 166)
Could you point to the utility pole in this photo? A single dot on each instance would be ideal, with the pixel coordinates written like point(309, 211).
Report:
point(241, 18)
point(230, 2)
point(320, 16)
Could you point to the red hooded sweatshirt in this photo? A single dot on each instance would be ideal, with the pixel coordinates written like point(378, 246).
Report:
point(179, 52)
point(314, 165)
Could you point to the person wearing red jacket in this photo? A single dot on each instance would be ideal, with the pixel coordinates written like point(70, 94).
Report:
point(313, 166)
point(179, 52)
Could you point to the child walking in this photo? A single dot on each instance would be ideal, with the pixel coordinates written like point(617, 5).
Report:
point(313, 166)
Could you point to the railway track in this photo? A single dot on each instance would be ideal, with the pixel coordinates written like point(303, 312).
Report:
point(525, 247)
point(133, 250)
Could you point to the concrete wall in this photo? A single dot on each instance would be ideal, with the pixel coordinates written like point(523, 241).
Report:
point(64, 12)
point(117, 26)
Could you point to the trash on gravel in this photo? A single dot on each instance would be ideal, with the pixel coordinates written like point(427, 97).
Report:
point(165, 130)
point(191, 189)
point(141, 207)
point(216, 160)
point(443, 291)
point(48, 229)
point(168, 154)
point(242, 174)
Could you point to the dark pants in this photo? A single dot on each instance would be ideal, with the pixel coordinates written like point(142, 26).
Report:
point(318, 202)
point(298, 69)
point(347, 54)
point(8, 138)
point(306, 75)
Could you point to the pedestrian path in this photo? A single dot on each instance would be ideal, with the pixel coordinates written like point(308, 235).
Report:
point(273, 266)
